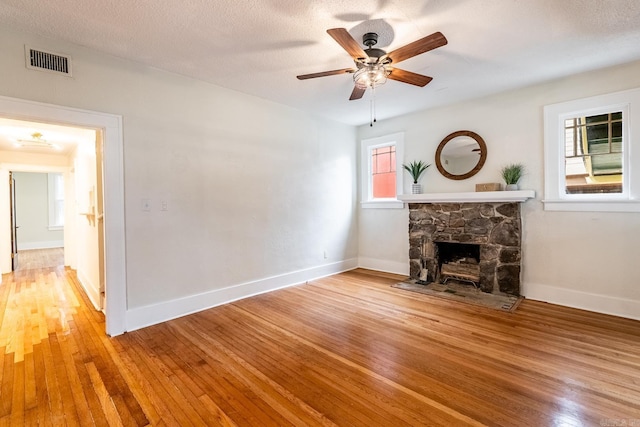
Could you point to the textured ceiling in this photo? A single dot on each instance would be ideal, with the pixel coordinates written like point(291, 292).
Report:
point(259, 46)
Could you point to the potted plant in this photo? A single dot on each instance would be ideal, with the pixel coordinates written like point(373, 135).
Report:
point(416, 168)
point(512, 174)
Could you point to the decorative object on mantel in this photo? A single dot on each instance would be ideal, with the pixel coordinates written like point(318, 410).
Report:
point(511, 175)
point(416, 168)
point(488, 186)
point(461, 155)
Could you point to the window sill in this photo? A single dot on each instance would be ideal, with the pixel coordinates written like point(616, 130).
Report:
point(592, 205)
point(380, 204)
point(56, 227)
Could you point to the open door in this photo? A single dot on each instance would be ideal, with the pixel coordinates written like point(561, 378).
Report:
point(14, 227)
point(99, 203)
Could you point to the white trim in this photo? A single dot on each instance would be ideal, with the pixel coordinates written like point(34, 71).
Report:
point(114, 219)
point(555, 197)
point(90, 289)
point(384, 265)
point(583, 300)
point(157, 313)
point(593, 206)
point(382, 204)
point(19, 167)
point(475, 197)
point(46, 244)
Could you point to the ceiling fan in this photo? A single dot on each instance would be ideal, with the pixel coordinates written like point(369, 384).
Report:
point(374, 66)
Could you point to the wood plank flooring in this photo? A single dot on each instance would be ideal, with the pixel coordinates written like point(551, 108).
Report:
point(40, 258)
point(346, 350)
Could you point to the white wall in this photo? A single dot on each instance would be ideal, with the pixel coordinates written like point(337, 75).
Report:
point(256, 192)
point(585, 260)
point(32, 212)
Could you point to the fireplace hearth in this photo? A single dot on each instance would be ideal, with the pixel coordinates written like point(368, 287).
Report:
point(479, 243)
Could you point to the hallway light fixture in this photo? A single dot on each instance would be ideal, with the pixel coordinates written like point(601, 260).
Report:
point(36, 141)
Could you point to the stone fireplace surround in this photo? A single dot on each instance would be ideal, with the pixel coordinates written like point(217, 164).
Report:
point(495, 226)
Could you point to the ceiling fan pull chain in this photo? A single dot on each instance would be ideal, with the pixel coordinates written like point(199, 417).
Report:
point(371, 113)
point(372, 106)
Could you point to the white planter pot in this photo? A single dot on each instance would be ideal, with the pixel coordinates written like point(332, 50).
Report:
point(511, 187)
point(416, 189)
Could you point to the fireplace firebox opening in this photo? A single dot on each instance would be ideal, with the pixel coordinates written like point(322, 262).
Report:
point(459, 261)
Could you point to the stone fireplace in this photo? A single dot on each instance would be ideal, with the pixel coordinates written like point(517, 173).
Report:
point(479, 243)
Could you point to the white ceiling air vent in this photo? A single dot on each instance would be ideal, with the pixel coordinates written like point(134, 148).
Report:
point(37, 59)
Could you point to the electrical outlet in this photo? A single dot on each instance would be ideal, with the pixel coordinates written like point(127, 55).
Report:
point(325, 255)
point(164, 205)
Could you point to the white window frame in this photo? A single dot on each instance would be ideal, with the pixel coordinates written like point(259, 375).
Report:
point(52, 190)
point(366, 180)
point(555, 195)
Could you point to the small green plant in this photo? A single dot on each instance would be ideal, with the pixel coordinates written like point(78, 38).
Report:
point(416, 168)
point(512, 173)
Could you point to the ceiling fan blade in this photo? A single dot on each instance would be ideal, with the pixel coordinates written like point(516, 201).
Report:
point(348, 43)
point(326, 73)
point(405, 76)
point(357, 93)
point(423, 45)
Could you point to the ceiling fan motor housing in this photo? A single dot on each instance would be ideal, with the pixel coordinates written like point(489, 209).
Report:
point(370, 39)
point(373, 54)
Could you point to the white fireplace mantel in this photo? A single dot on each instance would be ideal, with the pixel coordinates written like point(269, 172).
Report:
point(471, 197)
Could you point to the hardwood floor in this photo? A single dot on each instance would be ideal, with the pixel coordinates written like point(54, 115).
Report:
point(345, 350)
point(40, 258)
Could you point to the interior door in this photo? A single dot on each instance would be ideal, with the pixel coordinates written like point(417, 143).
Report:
point(99, 203)
point(14, 227)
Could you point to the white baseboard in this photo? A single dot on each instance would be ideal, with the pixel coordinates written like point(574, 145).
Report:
point(583, 300)
point(48, 244)
point(384, 265)
point(90, 289)
point(152, 314)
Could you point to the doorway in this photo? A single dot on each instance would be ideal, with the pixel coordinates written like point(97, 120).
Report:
point(112, 215)
point(37, 206)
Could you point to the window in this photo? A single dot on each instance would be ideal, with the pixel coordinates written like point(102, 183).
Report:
point(588, 163)
point(56, 200)
point(593, 154)
point(381, 171)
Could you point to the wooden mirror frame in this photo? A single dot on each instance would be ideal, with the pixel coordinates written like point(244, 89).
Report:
point(478, 166)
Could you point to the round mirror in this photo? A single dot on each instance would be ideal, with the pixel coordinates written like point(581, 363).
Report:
point(461, 155)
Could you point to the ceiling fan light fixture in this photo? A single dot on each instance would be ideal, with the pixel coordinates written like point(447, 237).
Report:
point(373, 65)
point(370, 76)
